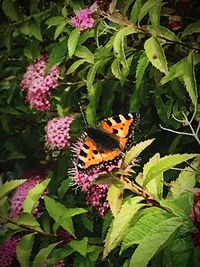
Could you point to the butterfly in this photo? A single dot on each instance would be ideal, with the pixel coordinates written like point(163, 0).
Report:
point(106, 144)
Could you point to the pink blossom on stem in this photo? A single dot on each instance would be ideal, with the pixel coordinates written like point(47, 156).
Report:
point(195, 217)
point(38, 85)
point(84, 18)
point(8, 252)
point(17, 200)
point(58, 132)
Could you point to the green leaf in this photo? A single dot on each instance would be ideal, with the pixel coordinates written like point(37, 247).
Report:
point(42, 255)
point(9, 9)
point(158, 238)
point(64, 187)
point(155, 186)
point(175, 71)
point(73, 41)
point(186, 179)
point(61, 214)
point(155, 54)
point(26, 220)
point(180, 206)
point(9, 186)
point(54, 20)
point(154, 14)
point(24, 248)
point(152, 169)
point(135, 11)
point(75, 65)
point(59, 29)
point(115, 68)
point(135, 151)
point(148, 5)
point(162, 32)
point(191, 28)
point(58, 52)
point(34, 195)
point(149, 219)
point(114, 196)
point(120, 224)
point(85, 53)
point(189, 79)
point(140, 70)
point(118, 44)
point(35, 29)
point(80, 246)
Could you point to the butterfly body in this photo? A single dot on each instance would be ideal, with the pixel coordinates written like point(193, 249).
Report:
point(106, 144)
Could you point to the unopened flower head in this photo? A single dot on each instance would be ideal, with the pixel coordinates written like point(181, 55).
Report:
point(38, 85)
point(84, 18)
point(17, 200)
point(8, 252)
point(58, 132)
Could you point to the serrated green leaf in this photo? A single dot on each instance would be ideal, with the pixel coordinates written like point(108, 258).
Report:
point(54, 20)
point(61, 214)
point(135, 11)
point(88, 224)
point(73, 41)
point(155, 186)
point(26, 220)
point(9, 186)
point(9, 9)
point(58, 52)
point(85, 53)
point(189, 78)
point(42, 255)
point(175, 71)
point(75, 65)
point(24, 248)
point(191, 28)
point(115, 68)
point(155, 54)
point(59, 29)
point(161, 31)
point(140, 70)
point(180, 206)
point(80, 246)
point(118, 44)
point(35, 29)
point(114, 196)
point(64, 187)
point(148, 5)
point(186, 179)
point(135, 151)
point(149, 219)
point(120, 224)
point(152, 169)
point(34, 195)
point(157, 238)
point(154, 14)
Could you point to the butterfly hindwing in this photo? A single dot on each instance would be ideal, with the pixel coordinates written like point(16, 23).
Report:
point(106, 143)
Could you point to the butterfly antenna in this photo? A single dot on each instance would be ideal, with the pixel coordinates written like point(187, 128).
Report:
point(83, 115)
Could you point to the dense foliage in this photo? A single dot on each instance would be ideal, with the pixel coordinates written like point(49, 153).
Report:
point(60, 59)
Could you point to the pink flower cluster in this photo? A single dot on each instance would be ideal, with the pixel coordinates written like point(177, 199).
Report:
point(84, 18)
point(57, 132)
point(8, 252)
point(38, 85)
point(21, 192)
point(195, 217)
point(97, 198)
